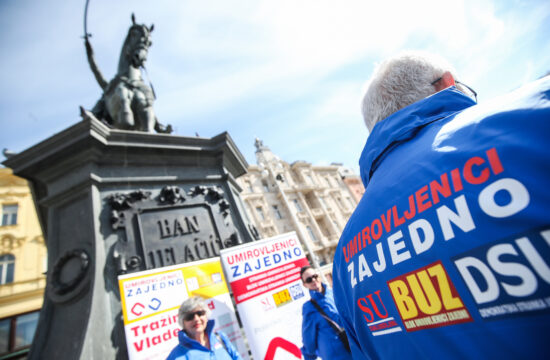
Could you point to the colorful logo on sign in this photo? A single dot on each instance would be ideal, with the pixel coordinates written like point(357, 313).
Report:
point(426, 298)
point(282, 297)
point(376, 315)
point(280, 343)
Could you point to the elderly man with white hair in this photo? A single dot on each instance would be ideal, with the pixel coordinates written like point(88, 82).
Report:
point(447, 255)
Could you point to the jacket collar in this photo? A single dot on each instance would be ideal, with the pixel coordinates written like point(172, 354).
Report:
point(316, 295)
point(404, 124)
point(186, 341)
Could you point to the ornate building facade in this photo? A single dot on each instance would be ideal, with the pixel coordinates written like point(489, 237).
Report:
point(353, 182)
point(314, 201)
point(23, 259)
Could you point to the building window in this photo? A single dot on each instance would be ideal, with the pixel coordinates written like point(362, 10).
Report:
point(249, 186)
point(297, 205)
point(25, 328)
point(260, 213)
point(266, 188)
point(278, 214)
point(323, 203)
point(324, 229)
point(312, 235)
point(5, 335)
point(9, 214)
point(336, 225)
point(7, 265)
point(17, 332)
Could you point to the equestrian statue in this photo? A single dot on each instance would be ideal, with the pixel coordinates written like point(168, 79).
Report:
point(127, 101)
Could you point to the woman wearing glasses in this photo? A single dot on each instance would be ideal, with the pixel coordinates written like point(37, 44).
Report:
point(197, 340)
point(322, 330)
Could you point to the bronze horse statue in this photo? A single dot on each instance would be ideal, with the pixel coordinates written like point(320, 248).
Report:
point(127, 101)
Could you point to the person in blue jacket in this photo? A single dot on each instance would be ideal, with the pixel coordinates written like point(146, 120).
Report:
point(447, 254)
point(197, 340)
point(318, 336)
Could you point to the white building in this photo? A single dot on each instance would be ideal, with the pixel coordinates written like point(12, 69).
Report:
point(314, 201)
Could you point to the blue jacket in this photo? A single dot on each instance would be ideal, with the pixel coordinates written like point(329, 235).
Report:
point(191, 349)
point(447, 255)
point(319, 338)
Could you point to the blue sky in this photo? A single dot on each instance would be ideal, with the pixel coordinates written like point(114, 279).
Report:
point(288, 72)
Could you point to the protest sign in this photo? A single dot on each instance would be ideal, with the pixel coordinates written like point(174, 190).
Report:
point(151, 299)
point(265, 280)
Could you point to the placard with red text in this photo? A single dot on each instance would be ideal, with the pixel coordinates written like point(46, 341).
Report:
point(265, 279)
point(151, 299)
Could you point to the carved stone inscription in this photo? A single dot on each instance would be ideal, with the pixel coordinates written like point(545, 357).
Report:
point(174, 227)
point(178, 235)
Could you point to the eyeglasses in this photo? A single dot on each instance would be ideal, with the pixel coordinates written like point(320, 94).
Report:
point(472, 91)
point(310, 279)
point(190, 316)
point(469, 91)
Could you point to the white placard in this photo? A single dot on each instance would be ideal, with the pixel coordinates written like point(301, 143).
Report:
point(265, 279)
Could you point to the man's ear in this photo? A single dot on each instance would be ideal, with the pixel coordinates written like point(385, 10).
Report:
point(446, 81)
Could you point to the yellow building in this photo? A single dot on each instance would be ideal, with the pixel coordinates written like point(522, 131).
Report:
point(23, 259)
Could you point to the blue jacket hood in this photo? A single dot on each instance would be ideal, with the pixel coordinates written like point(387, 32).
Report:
point(405, 123)
point(454, 219)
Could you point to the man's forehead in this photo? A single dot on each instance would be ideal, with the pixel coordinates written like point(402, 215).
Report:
point(308, 272)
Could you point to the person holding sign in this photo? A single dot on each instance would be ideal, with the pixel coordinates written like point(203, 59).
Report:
point(322, 331)
point(197, 340)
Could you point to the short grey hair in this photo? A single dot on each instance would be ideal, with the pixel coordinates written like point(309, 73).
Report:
point(190, 305)
point(400, 81)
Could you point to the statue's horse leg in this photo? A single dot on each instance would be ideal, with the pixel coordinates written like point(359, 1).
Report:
point(146, 117)
point(143, 111)
point(119, 106)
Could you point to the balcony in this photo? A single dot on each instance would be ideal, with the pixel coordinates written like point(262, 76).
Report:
point(317, 212)
point(333, 240)
point(266, 223)
point(307, 187)
point(253, 196)
point(302, 215)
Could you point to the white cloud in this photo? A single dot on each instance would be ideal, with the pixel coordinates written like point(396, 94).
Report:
point(277, 66)
point(295, 44)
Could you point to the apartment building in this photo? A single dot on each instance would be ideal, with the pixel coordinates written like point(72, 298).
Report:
point(23, 259)
point(314, 201)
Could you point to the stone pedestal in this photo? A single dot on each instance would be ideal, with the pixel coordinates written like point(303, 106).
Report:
point(112, 202)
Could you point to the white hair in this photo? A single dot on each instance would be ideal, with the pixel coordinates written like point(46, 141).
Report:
point(400, 81)
point(189, 305)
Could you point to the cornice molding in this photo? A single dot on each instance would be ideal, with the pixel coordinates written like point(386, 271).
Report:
point(93, 139)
